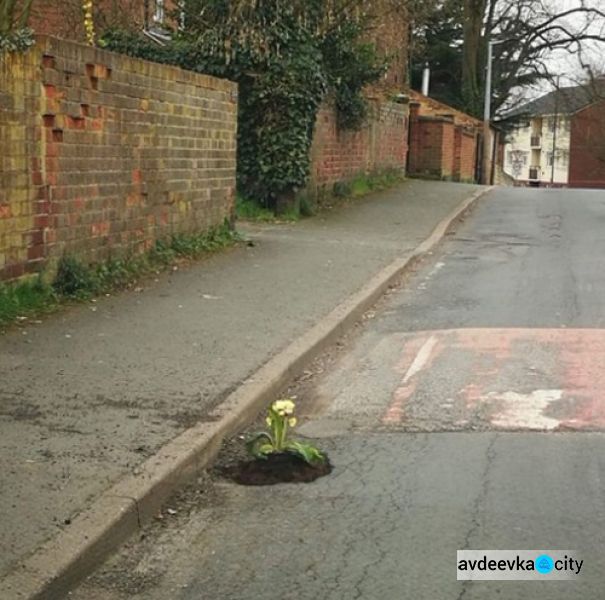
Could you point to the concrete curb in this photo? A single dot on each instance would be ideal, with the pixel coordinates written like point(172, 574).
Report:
point(61, 563)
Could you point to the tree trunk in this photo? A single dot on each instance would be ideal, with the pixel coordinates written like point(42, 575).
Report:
point(285, 203)
point(473, 55)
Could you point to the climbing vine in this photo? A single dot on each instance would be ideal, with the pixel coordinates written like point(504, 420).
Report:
point(351, 65)
point(287, 57)
point(89, 25)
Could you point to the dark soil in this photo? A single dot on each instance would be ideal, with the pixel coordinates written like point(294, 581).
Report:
point(276, 468)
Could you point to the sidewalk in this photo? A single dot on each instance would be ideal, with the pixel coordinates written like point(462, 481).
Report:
point(88, 395)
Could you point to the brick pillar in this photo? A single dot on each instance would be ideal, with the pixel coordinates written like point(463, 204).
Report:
point(457, 171)
point(414, 134)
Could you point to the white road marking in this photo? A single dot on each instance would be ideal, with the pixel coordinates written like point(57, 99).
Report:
point(421, 359)
point(525, 411)
point(436, 269)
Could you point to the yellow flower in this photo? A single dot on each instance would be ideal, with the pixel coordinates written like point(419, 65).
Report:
point(268, 421)
point(283, 407)
point(292, 421)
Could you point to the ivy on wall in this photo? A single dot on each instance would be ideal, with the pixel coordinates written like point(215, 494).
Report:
point(350, 65)
point(287, 58)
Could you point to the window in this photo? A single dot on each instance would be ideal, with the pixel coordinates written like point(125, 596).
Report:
point(551, 124)
point(562, 124)
point(549, 159)
point(561, 159)
point(160, 11)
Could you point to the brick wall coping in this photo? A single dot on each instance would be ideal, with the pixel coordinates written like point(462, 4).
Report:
point(434, 105)
point(48, 44)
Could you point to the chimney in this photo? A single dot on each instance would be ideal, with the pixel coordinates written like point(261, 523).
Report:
point(426, 79)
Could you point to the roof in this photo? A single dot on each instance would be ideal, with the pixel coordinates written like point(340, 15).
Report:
point(432, 107)
point(565, 100)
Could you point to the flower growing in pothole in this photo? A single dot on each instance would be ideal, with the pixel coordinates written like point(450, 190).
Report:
point(280, 420)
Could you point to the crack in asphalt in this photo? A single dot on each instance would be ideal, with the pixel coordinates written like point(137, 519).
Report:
point(475, 525)
point(479, 500)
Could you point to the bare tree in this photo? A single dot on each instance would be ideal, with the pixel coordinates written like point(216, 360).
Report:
point(529, 32)
point(473, 51)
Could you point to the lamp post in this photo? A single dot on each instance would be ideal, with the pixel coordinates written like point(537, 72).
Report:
point(487, 109)
point(554, 131)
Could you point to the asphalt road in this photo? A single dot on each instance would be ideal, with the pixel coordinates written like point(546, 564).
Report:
point(467, 414)
point(87, 395)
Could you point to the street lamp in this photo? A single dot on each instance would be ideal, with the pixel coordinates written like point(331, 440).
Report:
point(487, 109)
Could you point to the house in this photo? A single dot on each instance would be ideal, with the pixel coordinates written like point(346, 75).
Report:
point(559, 140)
point(64, 18)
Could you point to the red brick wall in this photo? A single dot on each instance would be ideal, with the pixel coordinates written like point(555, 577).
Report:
point(457, 152)
point(21, 211)
point(447, 150)
point(587, 148)
point(103, 154)
point(390, 145)
point(340, 155)
point(467, 155)
point(440, 147)
point(427, 139)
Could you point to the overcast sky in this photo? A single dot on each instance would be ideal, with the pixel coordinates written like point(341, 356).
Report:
point(561, 62)
point(593, 52)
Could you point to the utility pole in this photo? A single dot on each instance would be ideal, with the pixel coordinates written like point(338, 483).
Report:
point(554, 133)
point(487, 111)
point(426, 79)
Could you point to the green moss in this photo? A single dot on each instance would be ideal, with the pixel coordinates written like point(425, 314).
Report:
point(366, 183)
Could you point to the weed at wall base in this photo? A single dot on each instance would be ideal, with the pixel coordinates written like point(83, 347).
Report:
point(309, 203)
point(251, 210)
point(24, 298)
point(76, 280)
point(366, 183)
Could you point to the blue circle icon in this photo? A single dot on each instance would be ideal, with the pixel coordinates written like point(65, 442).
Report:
point(544, 564)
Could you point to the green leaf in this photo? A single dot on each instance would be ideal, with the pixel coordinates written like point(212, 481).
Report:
point(260, 445)
point(309, 453)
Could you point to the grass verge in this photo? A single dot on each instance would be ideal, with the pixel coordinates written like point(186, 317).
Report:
point(361, 185)
point(76, 280)
point(249, 210)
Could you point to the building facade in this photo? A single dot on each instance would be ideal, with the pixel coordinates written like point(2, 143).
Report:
point(65, 19)
point(587, 158)
point(559, 140)
point(538, 152)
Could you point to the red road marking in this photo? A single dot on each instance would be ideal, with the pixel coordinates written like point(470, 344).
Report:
point(422, 359)
point(569, 382)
